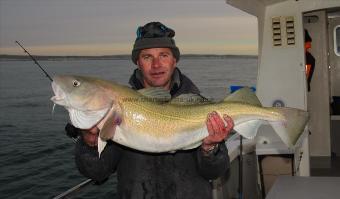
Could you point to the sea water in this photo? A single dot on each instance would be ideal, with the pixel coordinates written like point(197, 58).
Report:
point(36, 156)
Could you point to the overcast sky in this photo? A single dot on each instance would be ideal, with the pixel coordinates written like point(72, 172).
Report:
point(106, 27)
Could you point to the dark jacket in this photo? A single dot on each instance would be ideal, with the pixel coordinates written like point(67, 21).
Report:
point(180, 175)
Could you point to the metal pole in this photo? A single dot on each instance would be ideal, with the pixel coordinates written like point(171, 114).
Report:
point(73, 189)
point(241, 169)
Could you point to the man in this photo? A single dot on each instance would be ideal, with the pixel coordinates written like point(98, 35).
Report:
point(183, 174)
point(310, 60)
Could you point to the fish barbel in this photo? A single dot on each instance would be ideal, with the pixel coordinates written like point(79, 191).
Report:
point(152, 126)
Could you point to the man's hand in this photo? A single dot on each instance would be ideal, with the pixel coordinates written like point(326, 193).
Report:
point(217, 130)
point(90, 136)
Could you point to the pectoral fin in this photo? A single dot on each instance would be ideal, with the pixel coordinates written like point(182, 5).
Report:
point(101, 145)
point(108, 130)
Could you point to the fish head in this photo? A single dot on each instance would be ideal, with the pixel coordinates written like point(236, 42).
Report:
point(85, 98)
point(81, 93)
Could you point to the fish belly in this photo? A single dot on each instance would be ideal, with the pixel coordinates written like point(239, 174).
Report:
point(148, 143)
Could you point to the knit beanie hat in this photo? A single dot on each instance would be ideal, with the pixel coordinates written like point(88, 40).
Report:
point(154, 35)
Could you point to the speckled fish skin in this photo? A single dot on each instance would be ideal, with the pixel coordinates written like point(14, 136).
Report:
point(153, 127)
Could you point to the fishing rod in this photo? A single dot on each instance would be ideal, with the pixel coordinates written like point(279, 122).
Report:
point(73, 189)
point(82, 184)
point(73, 136)
point(35, 61)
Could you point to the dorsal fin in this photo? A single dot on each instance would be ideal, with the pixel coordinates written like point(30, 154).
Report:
point(189, 99)
point(245, 95)
point(156, 94)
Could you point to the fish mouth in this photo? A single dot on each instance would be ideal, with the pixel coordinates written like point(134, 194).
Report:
point(59, 94)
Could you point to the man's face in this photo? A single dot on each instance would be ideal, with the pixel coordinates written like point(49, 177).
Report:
point(157, 66)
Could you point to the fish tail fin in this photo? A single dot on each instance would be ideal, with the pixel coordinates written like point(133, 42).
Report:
point(292, 126)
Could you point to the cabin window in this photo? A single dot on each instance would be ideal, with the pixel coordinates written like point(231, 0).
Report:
point(337, 40)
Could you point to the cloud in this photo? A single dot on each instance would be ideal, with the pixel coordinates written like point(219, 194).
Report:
point(79, 26)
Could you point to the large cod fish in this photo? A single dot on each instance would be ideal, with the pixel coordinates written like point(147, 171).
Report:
point(149, 124)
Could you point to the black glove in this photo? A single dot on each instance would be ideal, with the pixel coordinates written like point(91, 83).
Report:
point(72, 131)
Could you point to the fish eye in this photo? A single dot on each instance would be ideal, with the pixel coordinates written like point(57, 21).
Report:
point(76, 83)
